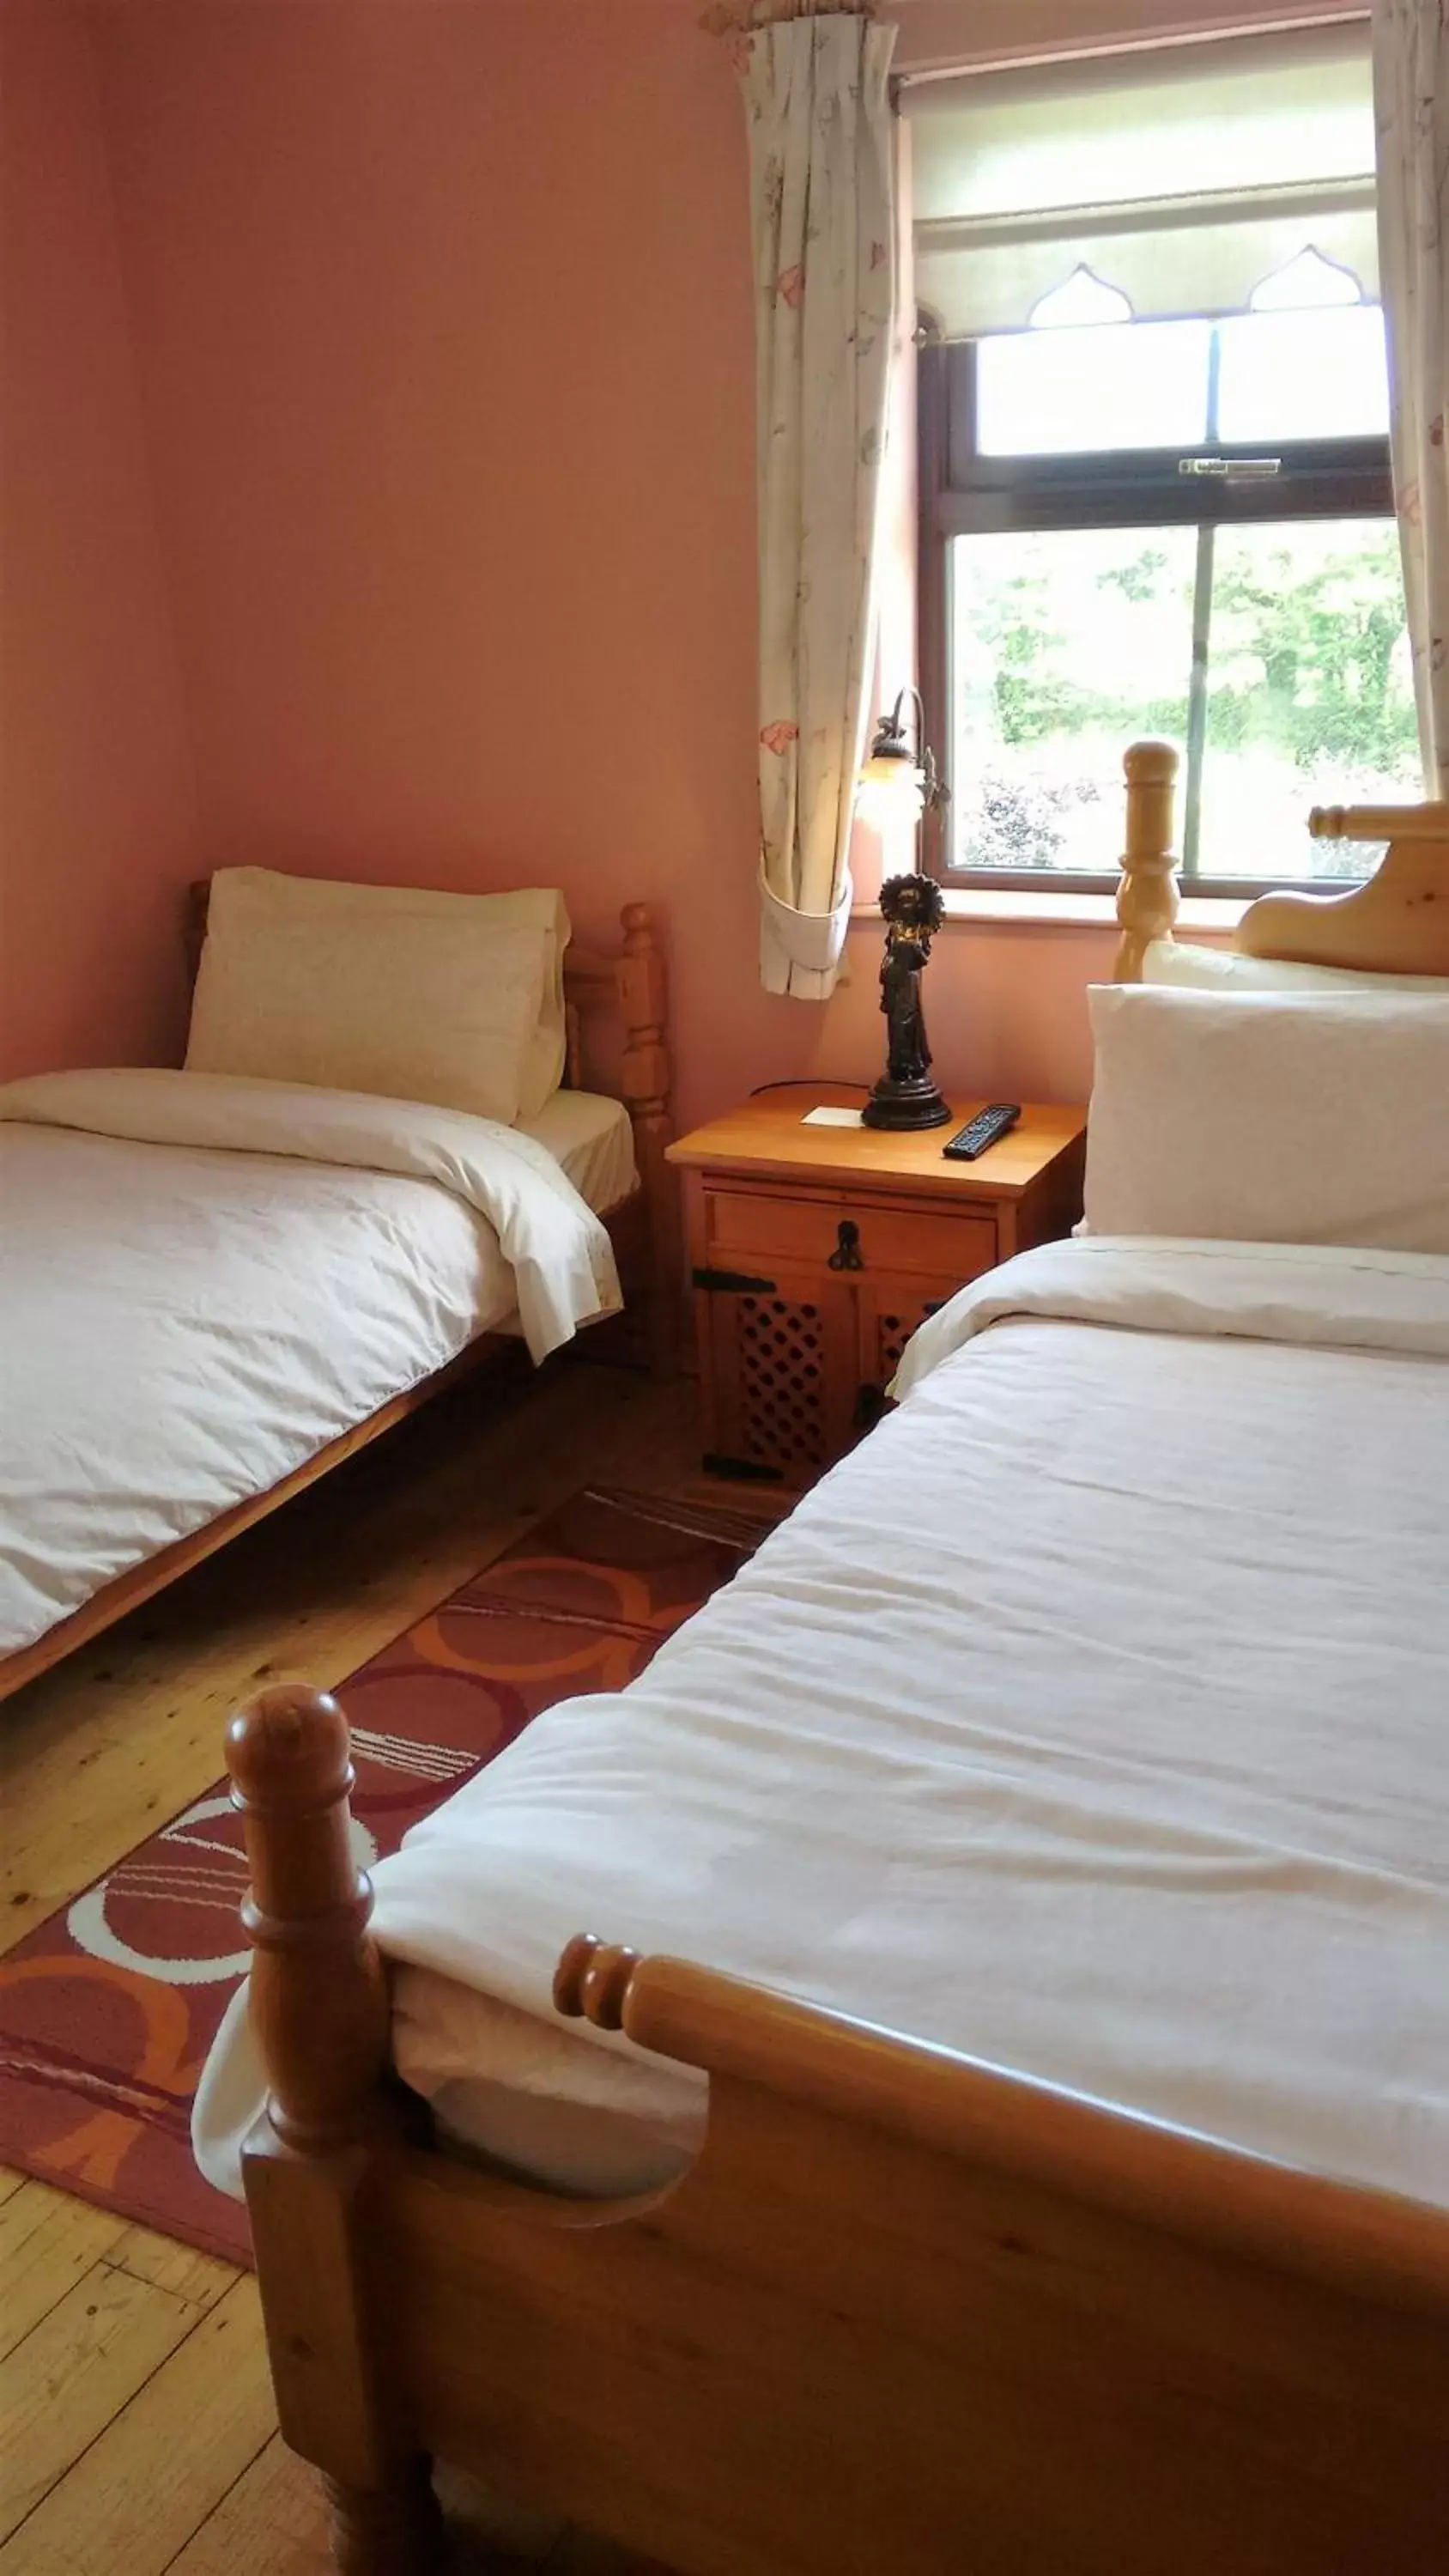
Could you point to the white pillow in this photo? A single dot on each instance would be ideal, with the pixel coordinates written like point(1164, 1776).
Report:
point(1270, 1117)
point(409, 1005)
point(253, 898)
point(1225, 970)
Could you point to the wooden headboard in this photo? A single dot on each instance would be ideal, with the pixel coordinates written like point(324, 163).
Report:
point(1395, 923)
point(629, 986)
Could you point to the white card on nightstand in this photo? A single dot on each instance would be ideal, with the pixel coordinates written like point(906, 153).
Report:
point(833, 1118)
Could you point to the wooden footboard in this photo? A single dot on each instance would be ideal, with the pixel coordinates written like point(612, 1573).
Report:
point(906, 2315)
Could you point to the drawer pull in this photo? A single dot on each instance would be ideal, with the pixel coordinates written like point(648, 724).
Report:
point(847, 1254)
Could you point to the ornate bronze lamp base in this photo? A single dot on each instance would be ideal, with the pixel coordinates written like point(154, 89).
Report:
point(905, 1095)
point(912, 1103)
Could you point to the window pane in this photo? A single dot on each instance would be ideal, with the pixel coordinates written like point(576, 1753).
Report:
point(1116, 384)
point(1310, 693)
point(1064, 647)
point(1304, 375)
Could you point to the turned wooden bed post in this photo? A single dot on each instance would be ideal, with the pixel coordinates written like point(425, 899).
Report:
point(319, 2011)
point(646, 1080)
point(1147, 895)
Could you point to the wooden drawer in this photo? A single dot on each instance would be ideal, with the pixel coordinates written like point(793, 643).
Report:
point(754, 1227)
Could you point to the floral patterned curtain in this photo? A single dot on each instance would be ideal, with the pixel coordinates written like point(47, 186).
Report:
point(823, 226)
point(1411, 91)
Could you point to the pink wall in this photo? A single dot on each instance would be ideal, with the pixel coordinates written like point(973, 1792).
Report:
point(444, 326)
point(97, 819)
point(445, 332)
point(441, 323)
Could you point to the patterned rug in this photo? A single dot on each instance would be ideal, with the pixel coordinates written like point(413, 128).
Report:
point(107, 2009)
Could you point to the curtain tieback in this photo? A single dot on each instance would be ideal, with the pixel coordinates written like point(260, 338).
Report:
point(797, 948)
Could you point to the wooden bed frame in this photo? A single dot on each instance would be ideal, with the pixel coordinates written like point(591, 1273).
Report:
point(1395, 923)
point(628, 988)
point(907, 2314)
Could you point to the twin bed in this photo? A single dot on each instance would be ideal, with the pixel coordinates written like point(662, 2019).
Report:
point(1050, 2170)
point(215, 1288)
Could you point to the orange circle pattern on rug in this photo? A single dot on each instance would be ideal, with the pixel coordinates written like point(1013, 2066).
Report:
point(107, 2010)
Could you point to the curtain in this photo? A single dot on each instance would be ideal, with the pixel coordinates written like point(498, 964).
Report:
point(1411, 96)
point(823, 231)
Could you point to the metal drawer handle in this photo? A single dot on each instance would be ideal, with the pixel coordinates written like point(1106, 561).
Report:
point(847, 1254)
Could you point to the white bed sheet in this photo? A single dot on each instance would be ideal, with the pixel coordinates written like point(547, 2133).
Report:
point(593, 1138)
point(1093, 1719)
point(186, 1326)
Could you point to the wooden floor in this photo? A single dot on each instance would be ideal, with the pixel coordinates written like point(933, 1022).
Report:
point(136, 2429)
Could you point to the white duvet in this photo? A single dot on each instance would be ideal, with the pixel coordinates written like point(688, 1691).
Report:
point(1092, 1719)
point(203, 1280)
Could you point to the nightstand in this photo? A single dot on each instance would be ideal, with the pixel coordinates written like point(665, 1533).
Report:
point(818, 1250)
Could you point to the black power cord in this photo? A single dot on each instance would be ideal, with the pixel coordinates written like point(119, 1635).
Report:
point(810, 1082)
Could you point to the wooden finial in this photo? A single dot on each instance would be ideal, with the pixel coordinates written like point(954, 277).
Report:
point(1426, 822)
point(1147, 896)
point(318, 1998)
point(289, 1748)
point(592, 1980)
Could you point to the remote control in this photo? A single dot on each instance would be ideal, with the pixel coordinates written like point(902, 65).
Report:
point(982, 1130)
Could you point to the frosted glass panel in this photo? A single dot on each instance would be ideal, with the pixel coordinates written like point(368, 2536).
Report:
point(1119, 384)
point(1318, 374)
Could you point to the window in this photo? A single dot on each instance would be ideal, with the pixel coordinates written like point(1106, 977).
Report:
point(1160, 501)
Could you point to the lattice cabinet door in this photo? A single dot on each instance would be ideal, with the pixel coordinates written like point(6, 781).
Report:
point(890, 1310)
point(779, 1374)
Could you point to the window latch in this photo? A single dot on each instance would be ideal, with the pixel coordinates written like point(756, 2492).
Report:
point(1231, 469)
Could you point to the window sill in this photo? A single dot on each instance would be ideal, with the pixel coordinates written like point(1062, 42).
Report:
point(1205, 916)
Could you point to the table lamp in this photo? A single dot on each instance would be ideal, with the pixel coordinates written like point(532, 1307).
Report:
point(897, 780)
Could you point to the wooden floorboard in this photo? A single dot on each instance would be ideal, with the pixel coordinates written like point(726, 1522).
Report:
point(47, 2243)
point(71, 2375)
point(137, 2435)
point(271, 2523)
point(200, 2279)
point(163, 2460)
point(272, 2518)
